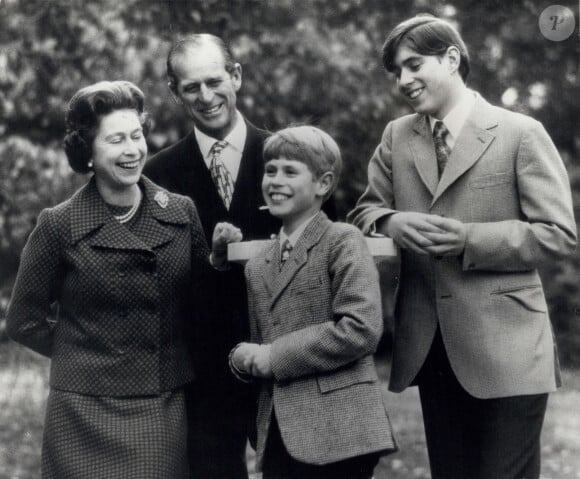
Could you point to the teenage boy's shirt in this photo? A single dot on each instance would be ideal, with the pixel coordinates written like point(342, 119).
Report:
point(456, 118)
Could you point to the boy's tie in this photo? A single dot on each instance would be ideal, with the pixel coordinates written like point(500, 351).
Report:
point(220, 175)
point(285, 252)
point(442, 150)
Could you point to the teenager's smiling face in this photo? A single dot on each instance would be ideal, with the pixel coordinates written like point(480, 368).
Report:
point(119, 150)
point(426, 81)
point(291, 191)
point(206, 90)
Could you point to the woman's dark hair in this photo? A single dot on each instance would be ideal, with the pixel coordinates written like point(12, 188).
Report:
point(427, 35)
point(84, 113)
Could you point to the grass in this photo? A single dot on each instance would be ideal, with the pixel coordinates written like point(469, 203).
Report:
point(24, 387)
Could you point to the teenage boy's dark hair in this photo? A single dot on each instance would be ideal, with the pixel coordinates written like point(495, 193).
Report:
point(427, 35)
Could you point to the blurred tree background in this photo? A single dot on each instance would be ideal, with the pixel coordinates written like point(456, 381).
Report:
point(315, 61)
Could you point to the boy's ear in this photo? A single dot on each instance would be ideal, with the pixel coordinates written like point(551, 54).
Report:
point(325, 183)
point(454, 58)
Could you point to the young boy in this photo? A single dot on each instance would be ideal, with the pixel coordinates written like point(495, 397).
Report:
point(315, 319)
point(478, 199)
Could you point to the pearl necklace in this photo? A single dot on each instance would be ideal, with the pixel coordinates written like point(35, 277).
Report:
point(125, 217)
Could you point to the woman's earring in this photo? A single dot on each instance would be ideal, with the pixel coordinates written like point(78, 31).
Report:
point(90, 164)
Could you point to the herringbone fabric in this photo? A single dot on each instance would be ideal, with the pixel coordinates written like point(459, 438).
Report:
point(220, 175)
point(322, 315)
point(442, 150)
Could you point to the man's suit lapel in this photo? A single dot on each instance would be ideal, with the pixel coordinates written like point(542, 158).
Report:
point(423, 150)
point(249, 174)
point(298, 256)
point(473, 141)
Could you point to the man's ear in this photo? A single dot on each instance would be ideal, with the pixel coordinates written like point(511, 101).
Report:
point(173, 91)
point(236, 76)
point(454, 58)
point(325, 184)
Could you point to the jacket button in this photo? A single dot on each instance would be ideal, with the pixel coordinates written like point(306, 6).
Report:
point(152, 348)
point(124, 313)
point(122, 271)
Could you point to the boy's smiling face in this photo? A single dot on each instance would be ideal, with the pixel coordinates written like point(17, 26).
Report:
point(427, 82)
point(291, 191)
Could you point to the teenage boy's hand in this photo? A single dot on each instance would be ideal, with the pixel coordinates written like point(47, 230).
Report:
point(223, 234)
point(449, 242)
point(410, 230)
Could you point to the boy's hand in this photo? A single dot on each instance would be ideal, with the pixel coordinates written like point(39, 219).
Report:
point(242, 357)
point(450, 241)
point(261, 364)
point(223, 234)
point(410, 230)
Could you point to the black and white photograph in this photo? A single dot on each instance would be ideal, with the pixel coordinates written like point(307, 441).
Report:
point(290, 239)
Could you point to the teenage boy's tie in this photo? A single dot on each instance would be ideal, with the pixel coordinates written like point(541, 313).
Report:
point(442, 150)
point(220, 175)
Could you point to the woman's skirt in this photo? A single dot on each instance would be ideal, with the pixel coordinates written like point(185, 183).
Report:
point(96, 437)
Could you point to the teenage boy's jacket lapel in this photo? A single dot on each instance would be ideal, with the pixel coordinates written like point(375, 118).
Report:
point(277, 280)
point(474, 139)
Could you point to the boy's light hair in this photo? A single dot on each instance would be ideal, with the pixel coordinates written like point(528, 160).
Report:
point(309, 145)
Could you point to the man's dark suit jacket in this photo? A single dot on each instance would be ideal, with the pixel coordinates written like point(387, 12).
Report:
point(219, 417)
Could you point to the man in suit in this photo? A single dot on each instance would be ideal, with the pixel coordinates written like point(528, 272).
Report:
point(478, 199)
point(204, 80)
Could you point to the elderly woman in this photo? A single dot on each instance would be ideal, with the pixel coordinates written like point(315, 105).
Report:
point(120, 258)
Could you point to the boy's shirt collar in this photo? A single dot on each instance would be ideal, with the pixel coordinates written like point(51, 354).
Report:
point(456, 118)
point(294, 237)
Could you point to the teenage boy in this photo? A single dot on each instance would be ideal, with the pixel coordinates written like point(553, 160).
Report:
point(478, 199)
point(315, 321)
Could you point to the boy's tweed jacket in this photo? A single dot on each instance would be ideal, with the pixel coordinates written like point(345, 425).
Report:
point(123, 302)
point(506, 182)
point(321, 313)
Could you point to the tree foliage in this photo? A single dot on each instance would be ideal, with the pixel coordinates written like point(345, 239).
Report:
point(315, 61)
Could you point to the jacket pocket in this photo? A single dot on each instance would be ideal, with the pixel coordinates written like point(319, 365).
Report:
point(488, 181)
point(360, 372)
point(530, 297)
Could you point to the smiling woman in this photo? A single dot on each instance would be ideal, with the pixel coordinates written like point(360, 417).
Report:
point(118, 258)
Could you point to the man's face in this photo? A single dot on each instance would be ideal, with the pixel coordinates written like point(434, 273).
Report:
point(206, 90)
point(426, 81)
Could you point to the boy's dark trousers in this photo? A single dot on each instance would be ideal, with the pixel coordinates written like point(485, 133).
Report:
point(278, 464)
point(471, 438)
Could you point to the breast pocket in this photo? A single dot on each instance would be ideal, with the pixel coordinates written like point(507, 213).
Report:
point(493, 197)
